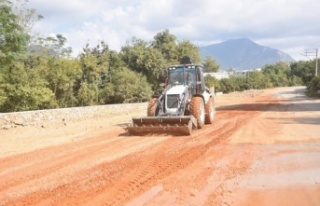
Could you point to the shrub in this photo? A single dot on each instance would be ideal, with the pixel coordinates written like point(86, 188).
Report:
point(313, 87)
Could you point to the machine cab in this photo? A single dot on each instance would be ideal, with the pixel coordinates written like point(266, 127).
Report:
point(188, 75)
point(182, 75)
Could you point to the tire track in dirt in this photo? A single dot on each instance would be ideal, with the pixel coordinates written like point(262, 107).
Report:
point(52, 165)
point(173, 162)
point(145, 169)
point(179, 159)
point(119, 180)
point(57, 160)
point(9, 164)
point(231, 171)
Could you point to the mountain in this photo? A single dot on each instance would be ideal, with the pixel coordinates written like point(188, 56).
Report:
point(243, 54)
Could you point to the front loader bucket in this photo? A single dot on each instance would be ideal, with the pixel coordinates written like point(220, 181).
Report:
point(169, 124)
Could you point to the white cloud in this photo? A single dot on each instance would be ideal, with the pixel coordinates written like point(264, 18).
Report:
point(281, 24)
point(292, 45)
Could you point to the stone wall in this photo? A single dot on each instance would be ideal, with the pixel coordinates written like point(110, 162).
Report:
point(9, 120)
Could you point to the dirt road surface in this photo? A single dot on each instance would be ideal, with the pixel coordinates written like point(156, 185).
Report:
point(263, 149)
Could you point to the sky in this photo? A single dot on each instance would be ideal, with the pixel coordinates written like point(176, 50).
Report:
point(291, 26)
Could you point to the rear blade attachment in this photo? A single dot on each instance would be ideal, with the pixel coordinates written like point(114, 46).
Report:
point(170, 124)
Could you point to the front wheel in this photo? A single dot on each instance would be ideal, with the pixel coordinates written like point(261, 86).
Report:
point(197, 110)
point(210, 111)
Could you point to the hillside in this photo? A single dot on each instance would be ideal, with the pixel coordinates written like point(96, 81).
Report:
point(243, 54)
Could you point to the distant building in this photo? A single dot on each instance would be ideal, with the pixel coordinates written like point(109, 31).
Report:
point(243, 73)
point(227, 74)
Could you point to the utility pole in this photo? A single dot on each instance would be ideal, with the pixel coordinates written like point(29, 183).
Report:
point(313, 53)
point(316, 62)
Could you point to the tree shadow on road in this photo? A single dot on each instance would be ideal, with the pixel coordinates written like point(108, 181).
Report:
point(301, 90)
point(298, 120)
point(295, 95)
point(272, 107)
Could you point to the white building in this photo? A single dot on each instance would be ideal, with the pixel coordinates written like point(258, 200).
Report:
point(218, 75)
point(226, 74)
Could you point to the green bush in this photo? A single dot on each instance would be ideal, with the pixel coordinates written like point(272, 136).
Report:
point(313, 87)
point(211, 81)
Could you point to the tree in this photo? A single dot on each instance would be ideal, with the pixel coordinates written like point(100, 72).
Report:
point(278, 74)
point(26, 18)
point(303, 69)
point(133, 54)
point(256, 80)
point(167, 45)
point(126, 86)
point(61, 73)
point(227, 85)
point(144, 59)
point(153, 62)
point(19, 89)
point(186, 48)
point(210, 65)
point(51, 46)
point(241, 83)
point(24, 90)
point(86, 94)
point(95, 67)
point(13, 40)
point(313, 87)
point(211, 81)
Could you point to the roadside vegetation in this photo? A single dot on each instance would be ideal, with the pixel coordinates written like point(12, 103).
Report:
point(41, 73)
point(278, 75)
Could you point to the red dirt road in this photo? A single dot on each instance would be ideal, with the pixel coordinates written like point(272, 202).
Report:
point(263, 149)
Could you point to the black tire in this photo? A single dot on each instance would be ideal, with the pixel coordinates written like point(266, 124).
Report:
point(197, 110)
point(210, 111)
point(152, 107)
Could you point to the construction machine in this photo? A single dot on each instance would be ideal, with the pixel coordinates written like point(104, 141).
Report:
point(185, 103)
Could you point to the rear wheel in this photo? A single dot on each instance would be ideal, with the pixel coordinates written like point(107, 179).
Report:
point(210, 111)
point(197, 110)
point(152, 107)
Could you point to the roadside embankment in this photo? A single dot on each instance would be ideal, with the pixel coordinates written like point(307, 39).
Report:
point(39, 117)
